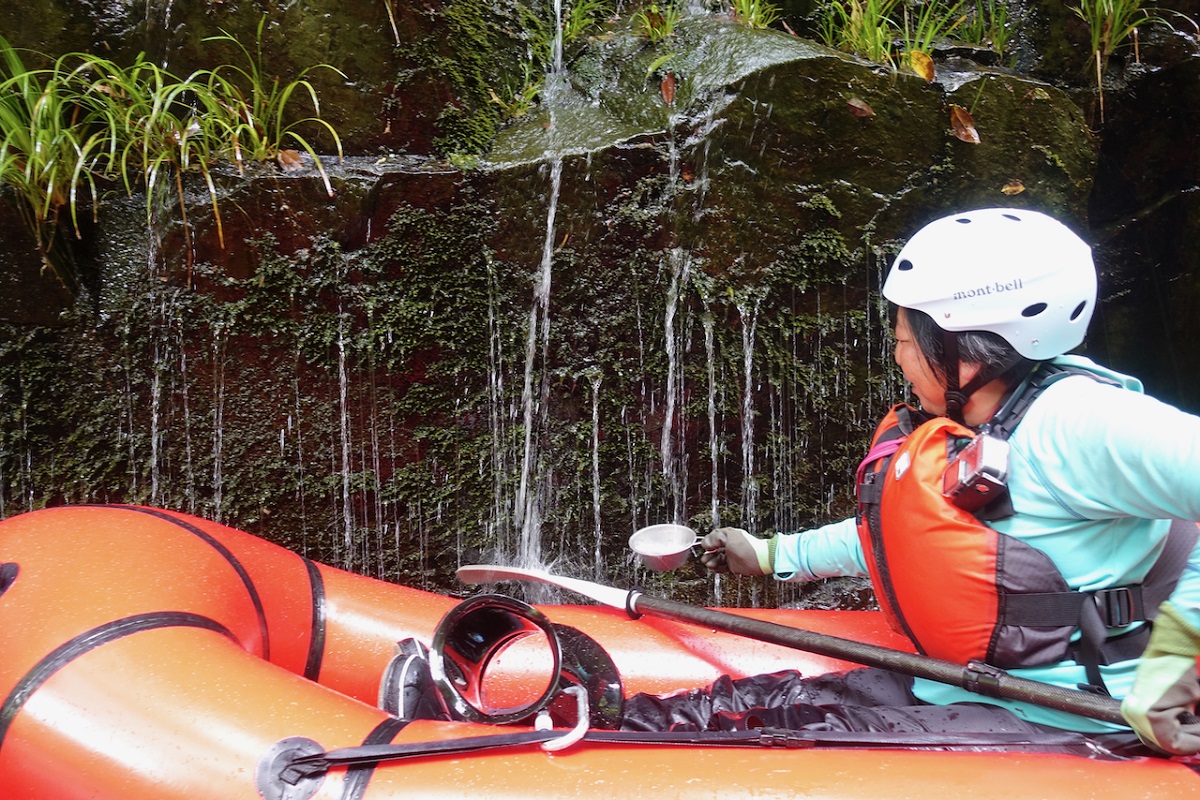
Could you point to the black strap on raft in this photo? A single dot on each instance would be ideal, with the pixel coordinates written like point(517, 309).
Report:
point(300, 763)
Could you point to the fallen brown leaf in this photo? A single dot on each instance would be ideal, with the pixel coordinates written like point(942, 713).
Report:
point(289, 160)
point(1013, 187)
point(963, 125)
point(667, 87)
point(859, 108)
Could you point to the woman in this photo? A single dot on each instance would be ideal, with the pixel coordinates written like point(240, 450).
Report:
point(1089, 473)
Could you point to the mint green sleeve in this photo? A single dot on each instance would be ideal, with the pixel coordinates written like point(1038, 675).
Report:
point(830, 551)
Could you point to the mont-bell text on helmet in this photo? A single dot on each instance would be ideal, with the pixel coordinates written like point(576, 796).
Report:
point(995, 288)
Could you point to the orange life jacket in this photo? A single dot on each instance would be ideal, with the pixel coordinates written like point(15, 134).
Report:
point(942, 577)
point(961, 590)
point(964, 591)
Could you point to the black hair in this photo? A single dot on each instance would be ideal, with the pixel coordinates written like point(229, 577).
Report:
point(988, 350)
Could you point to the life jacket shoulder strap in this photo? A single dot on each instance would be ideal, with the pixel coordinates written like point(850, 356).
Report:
point(890, 436)
point(1040, 378)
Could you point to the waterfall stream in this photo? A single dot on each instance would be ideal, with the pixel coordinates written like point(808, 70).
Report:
point(674, 463)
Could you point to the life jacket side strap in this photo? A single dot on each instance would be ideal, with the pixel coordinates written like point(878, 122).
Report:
point(1161, 579)
point(1118, 607)
point(1115, 649)
point(869, 481)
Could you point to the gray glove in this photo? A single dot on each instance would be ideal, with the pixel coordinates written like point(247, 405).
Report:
point(734, 550)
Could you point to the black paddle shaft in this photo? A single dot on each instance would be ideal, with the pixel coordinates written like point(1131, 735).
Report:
point(976, 677)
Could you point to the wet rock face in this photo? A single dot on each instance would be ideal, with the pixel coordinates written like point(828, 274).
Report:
point(1145, 211)
point(623, 311)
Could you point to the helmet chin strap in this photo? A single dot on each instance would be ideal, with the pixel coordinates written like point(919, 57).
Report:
point(957, 396)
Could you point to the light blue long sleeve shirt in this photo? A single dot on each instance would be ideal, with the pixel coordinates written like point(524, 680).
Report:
point(1096, 473)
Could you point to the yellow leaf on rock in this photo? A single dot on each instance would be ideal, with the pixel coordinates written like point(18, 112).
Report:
point(963, 125)
point(921, 64)
point(1013, 187)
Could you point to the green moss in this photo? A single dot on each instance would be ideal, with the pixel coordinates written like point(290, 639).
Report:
point(465, 132)
point(1052, 158)
point(821, 202)
point(474, 49)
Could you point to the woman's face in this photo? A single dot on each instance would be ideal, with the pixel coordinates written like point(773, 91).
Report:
point(926, 384)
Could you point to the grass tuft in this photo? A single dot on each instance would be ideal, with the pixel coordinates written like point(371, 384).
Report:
point(79, 126)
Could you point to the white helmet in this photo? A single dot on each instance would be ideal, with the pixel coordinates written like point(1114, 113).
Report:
point(1016, 273)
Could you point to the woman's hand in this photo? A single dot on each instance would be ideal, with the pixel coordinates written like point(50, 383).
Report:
point(734, 550)
point(1161, 708)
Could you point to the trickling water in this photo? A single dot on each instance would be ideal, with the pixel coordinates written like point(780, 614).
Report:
point(157, 364)
point(558, 39)
point(530, 493)
point(300, 493)
point(749, 317)
point(189, 471)
point(674, 475)
point(129, 421)
point(166, 29)
point(595, 377)
point(218, 435)
point(527, 519)
point(713, 443)
point(344, 430)
point(27, 461)
point(376, 495)
point(497, 416)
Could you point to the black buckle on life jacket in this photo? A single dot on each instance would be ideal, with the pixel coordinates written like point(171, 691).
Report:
point(1117, 606)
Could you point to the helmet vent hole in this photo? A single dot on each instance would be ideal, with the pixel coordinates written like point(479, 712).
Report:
point(1033, 310)
point(905, 265)
point(1013, 217)
point(963, 220)
point(1078, 310)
